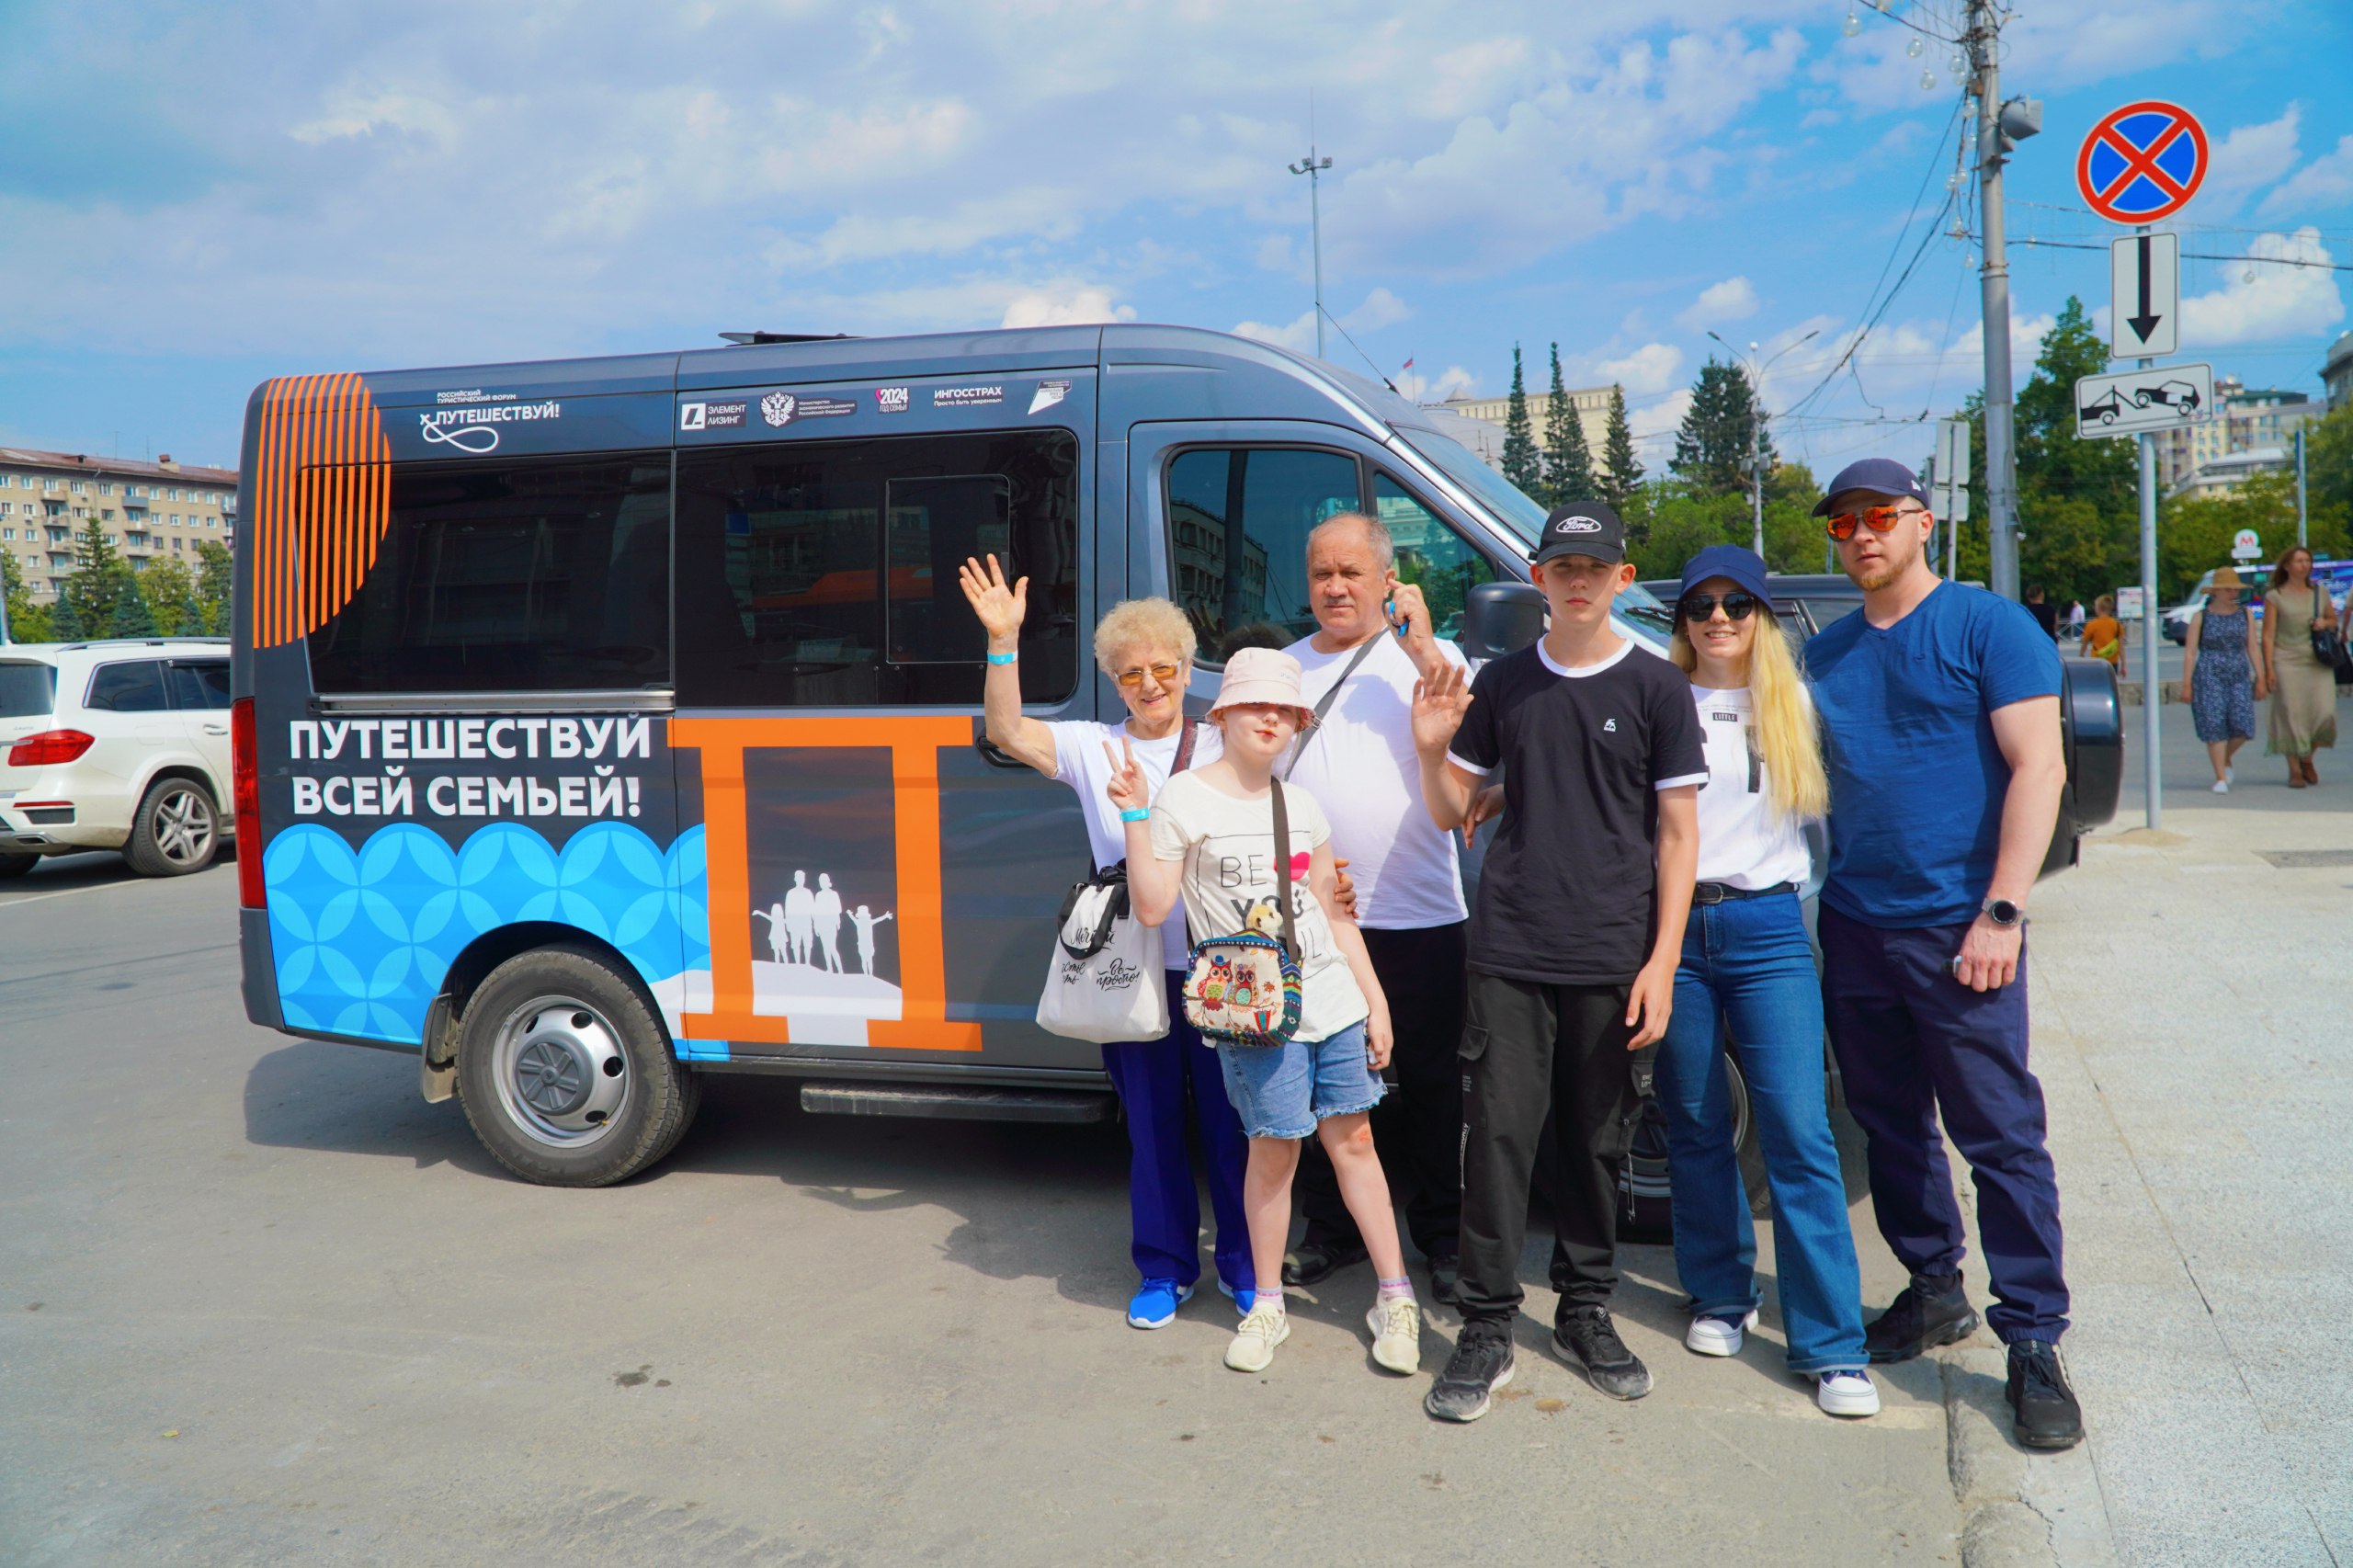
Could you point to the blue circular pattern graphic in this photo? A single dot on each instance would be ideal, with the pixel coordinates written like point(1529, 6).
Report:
point(363, 938)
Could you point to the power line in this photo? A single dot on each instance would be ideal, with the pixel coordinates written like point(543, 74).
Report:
point(2198, 254)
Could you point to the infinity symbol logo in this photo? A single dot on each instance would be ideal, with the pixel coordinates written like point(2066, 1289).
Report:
point(474, 438)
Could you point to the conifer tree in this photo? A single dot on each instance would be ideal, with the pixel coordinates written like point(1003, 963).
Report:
point(1568, 462)
point(1521, 464)
point(1621, 474)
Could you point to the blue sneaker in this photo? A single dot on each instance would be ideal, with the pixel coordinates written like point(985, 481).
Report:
point(1155, 1302)
point(1242, 1299)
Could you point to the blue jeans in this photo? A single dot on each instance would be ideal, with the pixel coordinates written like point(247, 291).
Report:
point(1282, 1091)
point(1745, 961)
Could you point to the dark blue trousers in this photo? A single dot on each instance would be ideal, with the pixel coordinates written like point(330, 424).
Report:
point(1912, 1041)
point(1159, 1081)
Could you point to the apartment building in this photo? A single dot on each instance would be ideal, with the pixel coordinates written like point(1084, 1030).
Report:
point(1592, 404)
point(152, 511)
point(2247, 419)
point(2336, 371)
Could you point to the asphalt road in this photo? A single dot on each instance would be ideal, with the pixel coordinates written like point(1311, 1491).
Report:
point(259, 1303)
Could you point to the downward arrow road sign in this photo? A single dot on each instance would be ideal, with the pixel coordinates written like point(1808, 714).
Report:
point(2146, 319)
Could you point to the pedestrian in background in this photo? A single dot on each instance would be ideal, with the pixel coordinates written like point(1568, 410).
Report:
point(2075, 619)
point(1374, 640)
point(2045, 613)
point(2218, 676)
point(1145, 646)
point(1746, 963)
point(2104, 634)
point(2304, 689)
point(1940, 708)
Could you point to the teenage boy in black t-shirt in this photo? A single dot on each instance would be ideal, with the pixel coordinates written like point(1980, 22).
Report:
point(1573, 943)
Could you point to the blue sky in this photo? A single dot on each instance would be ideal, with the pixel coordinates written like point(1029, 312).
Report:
point(198, 196)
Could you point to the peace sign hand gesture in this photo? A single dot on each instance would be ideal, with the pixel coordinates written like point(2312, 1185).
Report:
point(1129, 789)
point(1001, 609)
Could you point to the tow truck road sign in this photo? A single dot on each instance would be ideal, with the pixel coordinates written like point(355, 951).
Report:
point(2142, 163)
point(2145, 322)
point(2125, 403)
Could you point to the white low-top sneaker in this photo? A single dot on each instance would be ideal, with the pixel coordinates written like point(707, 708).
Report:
point(1396, 1334)
point(1710, 1334)
point(1847, 1391)
point(2221, 785)
point(1253, 1349)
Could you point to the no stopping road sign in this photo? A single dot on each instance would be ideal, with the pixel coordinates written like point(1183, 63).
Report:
point(2142, 163)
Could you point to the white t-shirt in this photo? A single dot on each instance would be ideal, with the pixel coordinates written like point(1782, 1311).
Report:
point(1745, 841)
point(1361, 760)
point(1228, 850)
point(1079, 762)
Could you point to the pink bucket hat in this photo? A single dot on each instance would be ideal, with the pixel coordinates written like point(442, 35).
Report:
point(1261, 675)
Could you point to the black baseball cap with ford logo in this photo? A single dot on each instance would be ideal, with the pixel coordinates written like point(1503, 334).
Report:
point(1582, 528)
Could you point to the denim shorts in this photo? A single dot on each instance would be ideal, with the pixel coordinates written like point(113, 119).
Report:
point(1283, 1091)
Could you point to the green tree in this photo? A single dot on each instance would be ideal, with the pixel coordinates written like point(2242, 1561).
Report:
point(215, 571)
point(2078, 500)
point(2328, 466)
point(28, 622)
point(65, 619)
point(2194, 534)
point(101, 577)
point(1621, 476)
point(1712, 448)
point(1568, 462)
point(1520, 462)
point(130, 616)
point(169, 590)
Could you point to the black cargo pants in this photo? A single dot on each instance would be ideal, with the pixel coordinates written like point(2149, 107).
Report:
point(1530, 1050)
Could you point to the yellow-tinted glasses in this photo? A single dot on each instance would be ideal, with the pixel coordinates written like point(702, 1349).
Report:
point(1163, 674)
point(1841, 525)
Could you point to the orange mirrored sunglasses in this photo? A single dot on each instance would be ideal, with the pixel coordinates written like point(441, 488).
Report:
point(1842, 525)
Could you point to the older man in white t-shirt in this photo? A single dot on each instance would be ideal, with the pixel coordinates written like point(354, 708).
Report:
point(1360, 762)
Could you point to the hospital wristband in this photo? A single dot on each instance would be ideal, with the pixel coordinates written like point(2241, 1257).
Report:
point(1003, 658)
point(1135, 816)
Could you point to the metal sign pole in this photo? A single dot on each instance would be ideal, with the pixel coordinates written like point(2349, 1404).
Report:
point(2152, 687)
point(2300, 537)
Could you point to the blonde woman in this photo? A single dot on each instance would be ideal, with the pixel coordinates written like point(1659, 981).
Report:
point(1746, 963)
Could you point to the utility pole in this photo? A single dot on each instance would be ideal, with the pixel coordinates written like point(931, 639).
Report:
point(2300, 489)
point(1755, 374)
point(1314, 167)
point(1983, 39)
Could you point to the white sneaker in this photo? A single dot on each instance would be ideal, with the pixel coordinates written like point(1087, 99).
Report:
point(1847, 1391)
point(2221, 785)
point(2230, 774)
point(1253, 1349)
point(1718, 1335)
point(1396, 1334)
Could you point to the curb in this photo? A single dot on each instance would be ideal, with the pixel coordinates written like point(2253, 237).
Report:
point(2000, 1528)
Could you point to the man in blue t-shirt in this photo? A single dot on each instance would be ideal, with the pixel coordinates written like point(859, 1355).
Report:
point(1939, 706)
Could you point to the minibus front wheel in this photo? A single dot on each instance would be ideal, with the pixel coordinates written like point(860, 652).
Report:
point(566, 1073)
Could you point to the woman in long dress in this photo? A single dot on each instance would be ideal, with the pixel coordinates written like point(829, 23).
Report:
point(2304, 691)
point(2218, 679)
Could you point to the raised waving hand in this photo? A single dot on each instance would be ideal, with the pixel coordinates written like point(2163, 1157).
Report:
point(1001, 609)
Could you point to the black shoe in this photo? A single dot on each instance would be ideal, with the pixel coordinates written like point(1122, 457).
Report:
point(1586, 1337)
point(2047, 1415)
point(1313, 1262)
point(1481, 1364)
point(1925, 1314)
point(1445, 1280)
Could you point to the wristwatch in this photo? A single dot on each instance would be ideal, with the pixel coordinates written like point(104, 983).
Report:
point(2005, 912)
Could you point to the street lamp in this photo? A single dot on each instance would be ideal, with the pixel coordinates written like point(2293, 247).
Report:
point(1756, 426)
point(1314, 167)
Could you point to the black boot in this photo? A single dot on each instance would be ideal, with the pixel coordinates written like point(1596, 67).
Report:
point(1929, 1312)
point(2047, 1415)
point(1311, 1263)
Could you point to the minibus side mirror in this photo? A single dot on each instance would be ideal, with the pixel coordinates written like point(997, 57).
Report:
point(1501, 617)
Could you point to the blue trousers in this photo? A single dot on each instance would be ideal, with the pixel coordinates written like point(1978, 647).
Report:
point(1159, 1080)
point(1912, 1042)
point(1746, 962)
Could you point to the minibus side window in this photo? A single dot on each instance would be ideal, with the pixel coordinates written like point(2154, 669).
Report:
point(534, 574)
point(1430, 554)
point(1238, 521)
point(822, 574)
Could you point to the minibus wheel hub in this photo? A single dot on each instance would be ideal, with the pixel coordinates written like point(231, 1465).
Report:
point(560, 1069)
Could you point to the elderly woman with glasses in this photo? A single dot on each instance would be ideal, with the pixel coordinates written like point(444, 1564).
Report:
point(1146, 647)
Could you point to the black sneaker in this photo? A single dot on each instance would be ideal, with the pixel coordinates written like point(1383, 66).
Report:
point(1925, 1314)
point(1313, 1262)
point(1586, 1337)
point(1445, 1280)
point(2047, 1415)
point(1481, 1364)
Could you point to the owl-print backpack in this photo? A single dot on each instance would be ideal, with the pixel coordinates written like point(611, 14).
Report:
point(1245, 989)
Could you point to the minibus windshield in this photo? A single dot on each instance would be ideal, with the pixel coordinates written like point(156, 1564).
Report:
point(1490, 489)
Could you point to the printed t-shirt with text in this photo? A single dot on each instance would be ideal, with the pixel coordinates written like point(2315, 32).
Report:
point(1230, 885)
point(1079, 762)
point(1360, 761)
point(1746, 841)
point(1570, 881)
point(1916, 777)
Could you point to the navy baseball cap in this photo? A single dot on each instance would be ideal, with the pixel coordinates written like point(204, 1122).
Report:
point(1582, 528)
point(1880, 476)
point(1743, 565)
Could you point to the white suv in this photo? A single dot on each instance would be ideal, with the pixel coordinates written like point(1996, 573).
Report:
point(115, 745)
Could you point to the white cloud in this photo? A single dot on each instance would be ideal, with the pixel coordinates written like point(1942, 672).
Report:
point(1380, 308)
point(1064, 304)
point(2250, 157)
point(1735, 299)
point(2263, 299)
point(1415, 388)
point(2325, 183)
point(1296, 335)
point(1650, 368)
point(1654, 423)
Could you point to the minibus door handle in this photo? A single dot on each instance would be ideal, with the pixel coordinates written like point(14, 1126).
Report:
point(996, 758)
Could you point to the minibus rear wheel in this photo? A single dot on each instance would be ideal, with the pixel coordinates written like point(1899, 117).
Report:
point(566, 1073)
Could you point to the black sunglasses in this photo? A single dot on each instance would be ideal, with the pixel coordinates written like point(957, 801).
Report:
point(1702, 607)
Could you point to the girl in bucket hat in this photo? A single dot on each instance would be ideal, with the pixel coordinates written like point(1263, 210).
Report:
point(1207, 839)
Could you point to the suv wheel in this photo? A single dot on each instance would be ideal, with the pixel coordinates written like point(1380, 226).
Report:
point(566, 1073)
point(13, 866)
point(177, 830)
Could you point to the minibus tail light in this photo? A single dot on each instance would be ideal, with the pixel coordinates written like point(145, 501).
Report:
point(247, 788)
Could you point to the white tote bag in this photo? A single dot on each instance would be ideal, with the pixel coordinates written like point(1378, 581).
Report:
point(1104, 980)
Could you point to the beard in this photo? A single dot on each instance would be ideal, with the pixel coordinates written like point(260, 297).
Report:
point(1894, 560)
